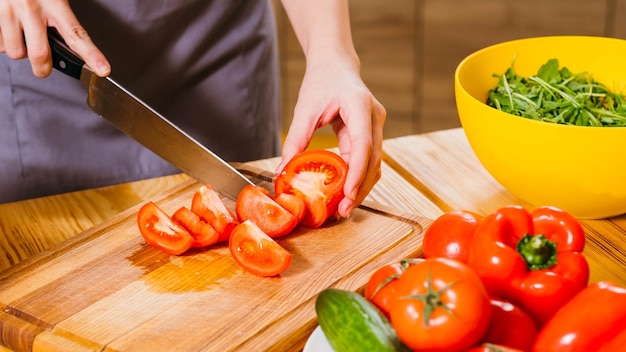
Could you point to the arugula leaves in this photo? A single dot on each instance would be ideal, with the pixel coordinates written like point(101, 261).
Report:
point(558, 96)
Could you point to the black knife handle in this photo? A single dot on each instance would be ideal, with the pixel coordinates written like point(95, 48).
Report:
point(64, 59)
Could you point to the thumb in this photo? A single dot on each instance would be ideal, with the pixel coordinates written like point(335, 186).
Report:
point(296, 141)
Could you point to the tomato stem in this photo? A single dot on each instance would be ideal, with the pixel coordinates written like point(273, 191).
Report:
point(538, 251)
point(432, 300)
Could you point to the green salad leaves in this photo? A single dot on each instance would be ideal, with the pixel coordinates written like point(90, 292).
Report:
point(558, 96)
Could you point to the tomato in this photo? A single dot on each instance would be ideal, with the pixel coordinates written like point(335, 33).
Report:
point(202, 232)
point(255, 204)
point(490, 347)
point(210, 207)
point(318, 177)
point(161, 232)
point(257, 252)
point(450, 235)
point(442, 306)
point(294, 204)
point(510, 326)
point(382, 286)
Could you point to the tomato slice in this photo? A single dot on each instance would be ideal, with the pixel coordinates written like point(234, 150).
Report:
point(318, 177)
point(257, 252)
point(161, 232)
point(294, 204)
point(202, 232)
point(255, 204)
point(210, 207)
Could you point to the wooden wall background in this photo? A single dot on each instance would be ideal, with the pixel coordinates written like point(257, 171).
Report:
point(409, 49)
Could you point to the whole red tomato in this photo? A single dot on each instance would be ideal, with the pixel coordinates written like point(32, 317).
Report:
point(382, 287)
point(441, 305)
point(449, 236)
point(510, 326)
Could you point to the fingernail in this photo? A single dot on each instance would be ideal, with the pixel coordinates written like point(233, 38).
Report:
point(104, 69)
point(347, 209)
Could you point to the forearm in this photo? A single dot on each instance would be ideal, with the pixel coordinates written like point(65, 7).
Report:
point(323, 30)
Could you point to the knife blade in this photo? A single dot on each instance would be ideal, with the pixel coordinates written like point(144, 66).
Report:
point(135, 118)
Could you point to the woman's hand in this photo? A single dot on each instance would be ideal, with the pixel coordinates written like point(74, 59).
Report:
point(23, 34)
point(335, 94)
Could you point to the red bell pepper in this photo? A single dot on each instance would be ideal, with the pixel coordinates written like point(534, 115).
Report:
point(594, 320)
point(533, 259)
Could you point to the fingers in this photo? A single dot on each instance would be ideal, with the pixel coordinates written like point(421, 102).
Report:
point(78, 40)
point(12, 41)
point(363, 134)
point(37, 47)
point(357, 119)
point(23, 29)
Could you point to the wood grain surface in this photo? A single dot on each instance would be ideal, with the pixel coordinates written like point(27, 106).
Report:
point(105, 289)
point(29, 227)
point(97, 286)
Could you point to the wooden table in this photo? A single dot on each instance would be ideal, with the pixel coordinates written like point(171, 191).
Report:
point(426, 175)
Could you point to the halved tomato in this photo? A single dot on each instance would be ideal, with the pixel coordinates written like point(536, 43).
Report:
point(161, 232)
point(255, 204)
point(318, 177)
point(202, 232)
point(294, 204)
point(210, 207)
point(257, 252)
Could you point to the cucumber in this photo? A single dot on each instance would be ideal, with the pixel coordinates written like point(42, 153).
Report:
point(351, 323)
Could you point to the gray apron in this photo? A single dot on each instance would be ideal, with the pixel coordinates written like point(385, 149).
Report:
point(209, 66)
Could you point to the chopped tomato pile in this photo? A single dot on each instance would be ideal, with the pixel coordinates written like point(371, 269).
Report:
point(306, 193)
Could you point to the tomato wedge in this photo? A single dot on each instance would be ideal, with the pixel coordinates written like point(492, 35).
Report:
point(202, 232)
point(294, 204)
point(210, 207)
point(255, 204)
point(161, 232)
point(257, 252)
point(318, 177)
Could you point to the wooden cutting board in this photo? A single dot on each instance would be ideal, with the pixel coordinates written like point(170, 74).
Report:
point(106, 290)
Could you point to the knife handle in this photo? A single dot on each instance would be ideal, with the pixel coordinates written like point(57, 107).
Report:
point(64, 59)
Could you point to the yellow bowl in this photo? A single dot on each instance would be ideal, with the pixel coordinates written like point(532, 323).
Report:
point(579, 169)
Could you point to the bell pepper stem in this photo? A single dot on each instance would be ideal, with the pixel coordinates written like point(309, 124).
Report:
point(538, 251)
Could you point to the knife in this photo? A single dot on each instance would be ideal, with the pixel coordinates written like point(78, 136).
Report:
point(135, 118)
